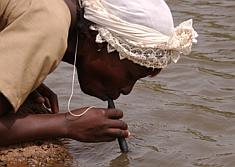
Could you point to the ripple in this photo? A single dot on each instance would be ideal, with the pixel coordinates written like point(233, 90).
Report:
point(217, 73)
point(200, 135)
point(207, 109)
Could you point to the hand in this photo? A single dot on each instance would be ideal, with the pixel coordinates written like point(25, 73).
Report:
point(44, 95)
point(97, 125)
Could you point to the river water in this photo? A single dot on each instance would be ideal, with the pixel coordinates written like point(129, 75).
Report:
point(184, 117)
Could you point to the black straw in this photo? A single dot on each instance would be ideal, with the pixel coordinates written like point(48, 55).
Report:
point(122, 142)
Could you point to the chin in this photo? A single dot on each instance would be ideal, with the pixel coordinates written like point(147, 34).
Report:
point(102, 96)
point(114, 97)
point(106, 97)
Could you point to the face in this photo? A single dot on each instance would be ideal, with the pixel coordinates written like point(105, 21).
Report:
point(104, 75)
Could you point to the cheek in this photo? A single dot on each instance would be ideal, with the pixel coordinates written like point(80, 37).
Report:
point(104, 80)
point(89, 85)
point(107, 73)
point(102, 73)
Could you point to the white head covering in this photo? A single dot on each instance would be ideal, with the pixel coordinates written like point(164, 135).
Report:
point(140, 30)
point(155, 14)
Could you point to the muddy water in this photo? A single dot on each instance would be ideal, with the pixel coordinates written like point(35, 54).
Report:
point(184, 117)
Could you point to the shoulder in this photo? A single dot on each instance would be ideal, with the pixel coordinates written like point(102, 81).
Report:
point(54, 14)
point(40, 12)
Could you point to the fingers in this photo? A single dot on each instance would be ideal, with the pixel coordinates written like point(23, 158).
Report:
point(114, 114)
point(118, 128)
point(51, 100)
point(39, 100)
point(47, 102)
point(117, 133)
point(117, 124)
point(37, 97)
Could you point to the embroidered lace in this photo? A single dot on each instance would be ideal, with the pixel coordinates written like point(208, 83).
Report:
point(140, 44)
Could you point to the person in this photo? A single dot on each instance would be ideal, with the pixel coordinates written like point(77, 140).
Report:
point(112, 44)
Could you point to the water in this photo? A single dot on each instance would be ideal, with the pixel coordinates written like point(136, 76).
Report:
point(185, 116)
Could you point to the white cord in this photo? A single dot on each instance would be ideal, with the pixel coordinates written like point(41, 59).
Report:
point(72, 89)
point(80, 3)
point(83, 113)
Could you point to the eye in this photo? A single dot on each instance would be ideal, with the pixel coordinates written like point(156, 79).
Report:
point(154, 72)
point(93, 33)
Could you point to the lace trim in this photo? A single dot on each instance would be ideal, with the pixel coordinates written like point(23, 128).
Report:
point(140, 44)
point(154, 56)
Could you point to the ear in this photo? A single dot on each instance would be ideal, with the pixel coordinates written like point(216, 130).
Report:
point(83, 25)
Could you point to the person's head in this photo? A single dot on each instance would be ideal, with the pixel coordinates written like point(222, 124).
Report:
point(111, 58)
point(102, 74)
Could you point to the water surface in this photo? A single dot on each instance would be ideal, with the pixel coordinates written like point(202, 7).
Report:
point(184, 117)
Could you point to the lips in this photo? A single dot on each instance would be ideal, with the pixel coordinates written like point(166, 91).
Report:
point(104, 95)
point(114, 97)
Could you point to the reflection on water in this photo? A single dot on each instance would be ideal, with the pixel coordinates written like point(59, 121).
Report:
point(184, 116)
point(121, 160)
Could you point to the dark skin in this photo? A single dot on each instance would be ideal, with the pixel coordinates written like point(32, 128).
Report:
point(101, 74)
